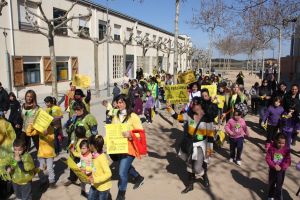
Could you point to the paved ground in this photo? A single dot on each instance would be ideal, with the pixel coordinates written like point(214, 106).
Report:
point(165, 174)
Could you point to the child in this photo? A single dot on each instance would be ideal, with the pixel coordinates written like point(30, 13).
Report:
point(56, 113)
point(150, 103)
point(46, 155)
point(101, 174)
point(75, 153)
point(236, 128)
point(279, 159)
point(254, 97)
point(272, 116)
point(290, 124)
point(85, 163)
point(115, 108)
point(138, 104)
point(109, 111)
point(21, 170)
point(116, 90)
point(220, 100)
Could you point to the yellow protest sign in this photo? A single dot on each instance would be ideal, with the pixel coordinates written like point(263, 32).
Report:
point(187, 77)
point(82, 81)
point(177, 93)
point(73, 166)
point(115, 142)
point(42, 120)
point(212, 89)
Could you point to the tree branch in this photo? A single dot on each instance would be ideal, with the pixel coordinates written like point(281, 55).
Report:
point(3, 3)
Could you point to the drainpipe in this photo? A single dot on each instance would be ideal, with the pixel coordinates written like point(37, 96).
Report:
point(8, 57)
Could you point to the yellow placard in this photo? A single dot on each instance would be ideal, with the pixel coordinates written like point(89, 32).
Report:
point(177, 93)
point(187, 77)
point(82, 81)
point(73, 166)
point(115, 142)
point(42, 120)
point(212, 89)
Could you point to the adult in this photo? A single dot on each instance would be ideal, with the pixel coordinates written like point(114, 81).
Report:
point(80, 97)
point(133, 122)
point(133, 90)
point(4, 101)
point(139, 73)
point(116, 90)
point(293, 98)
point(69, 96)
point(254, 97)
point(272, 82)
point(7, 137)
point(81, 118)
point(240, 78)
point(281, 90)
point(232, 99)
point(15, 117)
point(198, 128)
point(29, 111)
point(264, 95)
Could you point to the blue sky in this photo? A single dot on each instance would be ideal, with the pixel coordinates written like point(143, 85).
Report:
point(161, 13)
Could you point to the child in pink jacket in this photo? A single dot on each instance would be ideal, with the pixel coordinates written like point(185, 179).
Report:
point(236, 129)
point(279, 159)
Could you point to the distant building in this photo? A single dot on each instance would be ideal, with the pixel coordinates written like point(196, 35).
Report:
point(28, 51)
point(290, 65)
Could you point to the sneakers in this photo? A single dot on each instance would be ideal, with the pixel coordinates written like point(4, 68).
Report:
point(230, 160)
point(68, 183)
point(84, 194)
point(239, 163)
point(188, 188)
point(139, 181)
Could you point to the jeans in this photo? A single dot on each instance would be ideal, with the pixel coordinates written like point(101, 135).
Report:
point(254, 105)
point(271, 133)
point(261, 111)
point(23, 191)
point(126, 167)
point(236, 148)
point(276, 179)
point(95, 194)
point(47, 163)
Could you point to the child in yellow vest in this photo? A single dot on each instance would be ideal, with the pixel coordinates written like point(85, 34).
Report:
point(101, 174)
point(21, 170)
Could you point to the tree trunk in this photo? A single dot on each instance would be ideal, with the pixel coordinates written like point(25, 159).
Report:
point(157, 63)
point(279, 55)
point(168, 63)
point(53, 64)
point(180, 62)
point(252, 63)
point(175, 65)
point(96, 70)
point(124, 60)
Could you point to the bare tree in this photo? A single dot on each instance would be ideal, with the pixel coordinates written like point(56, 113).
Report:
point(82, 32)
point(167, 49)
point(175, 61)
point(48, 29)
point(211, 16)
point(146, 44)
point(3, 3)
point(125, 42)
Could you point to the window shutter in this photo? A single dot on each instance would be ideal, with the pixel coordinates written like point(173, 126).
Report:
point(74, 63)
point(47, 70)
point(18, 71)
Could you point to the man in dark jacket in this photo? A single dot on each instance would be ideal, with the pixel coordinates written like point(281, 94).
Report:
point(4, 101)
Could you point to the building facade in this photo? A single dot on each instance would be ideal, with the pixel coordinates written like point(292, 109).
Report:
point(24, 53)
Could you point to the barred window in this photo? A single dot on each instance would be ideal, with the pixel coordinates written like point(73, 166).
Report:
point(117, 66)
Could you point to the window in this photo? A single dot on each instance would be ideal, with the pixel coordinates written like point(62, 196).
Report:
point(102, 29)
point(32, 73)
point(24, 24)
point(117, 32)
point(154, 38)
point(117, 66)
point(128, 33)
point(62, 68)
point(63, 30)
point(84, 26)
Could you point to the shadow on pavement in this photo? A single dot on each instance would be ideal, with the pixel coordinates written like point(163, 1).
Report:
point(256, 185)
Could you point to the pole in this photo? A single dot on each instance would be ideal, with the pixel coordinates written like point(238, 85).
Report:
point(263, 64)
point(7, 62)
point(175, 61)
point(107, 53)
point(279, 54)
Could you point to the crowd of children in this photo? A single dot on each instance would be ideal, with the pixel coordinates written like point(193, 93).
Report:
point(278, 113)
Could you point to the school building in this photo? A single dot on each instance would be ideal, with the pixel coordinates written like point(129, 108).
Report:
point(25, 57)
